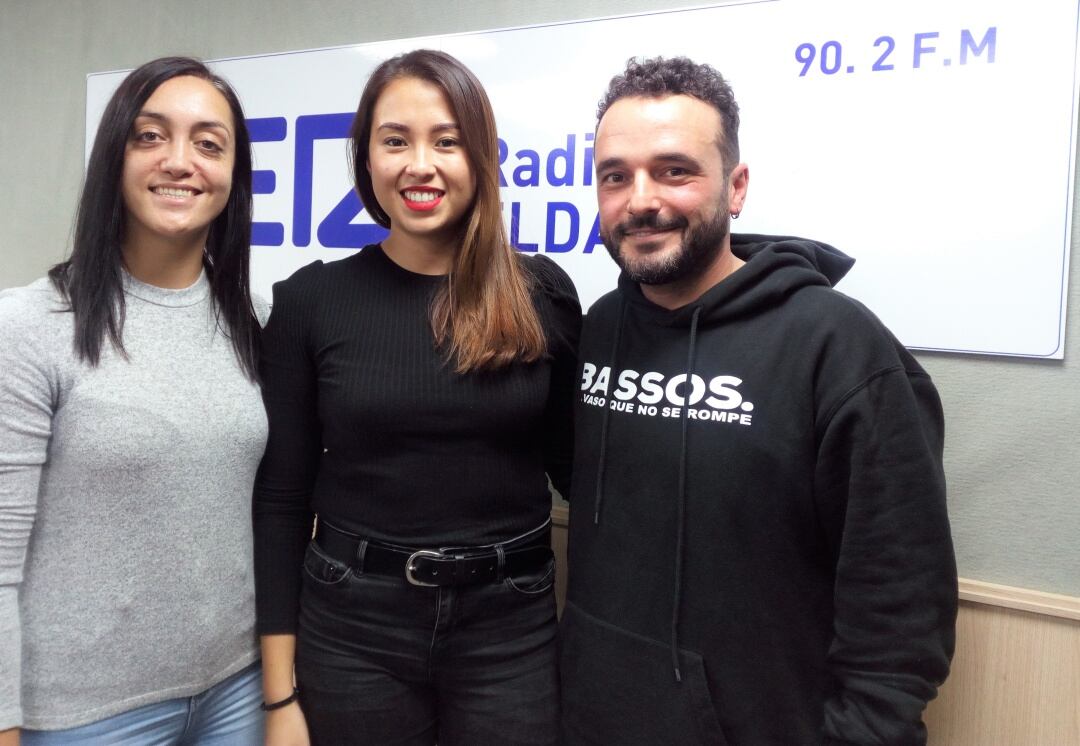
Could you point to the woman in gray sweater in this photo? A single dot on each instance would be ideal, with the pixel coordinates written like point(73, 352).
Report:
point(131, 427)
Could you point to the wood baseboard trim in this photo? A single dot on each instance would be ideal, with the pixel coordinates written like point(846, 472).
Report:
point(1022, 599)
point(973, 591)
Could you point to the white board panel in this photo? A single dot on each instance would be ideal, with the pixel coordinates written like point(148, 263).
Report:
point(933, 141)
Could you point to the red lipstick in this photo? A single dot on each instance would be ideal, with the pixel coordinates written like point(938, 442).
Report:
point(422, 199)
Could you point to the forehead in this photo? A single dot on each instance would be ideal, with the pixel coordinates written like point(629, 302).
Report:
point(639, 125)
point(407, 98)
point(187, 98)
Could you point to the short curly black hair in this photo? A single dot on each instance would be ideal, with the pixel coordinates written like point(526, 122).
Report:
point(659, 77)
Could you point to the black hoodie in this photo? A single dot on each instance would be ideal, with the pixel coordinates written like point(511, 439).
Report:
point(771, 562)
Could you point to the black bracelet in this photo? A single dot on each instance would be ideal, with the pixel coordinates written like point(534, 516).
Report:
point(281, 703)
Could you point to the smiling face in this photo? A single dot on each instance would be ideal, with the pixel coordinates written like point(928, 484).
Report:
point(420, 171)
point(665, 198)
point(178, 166)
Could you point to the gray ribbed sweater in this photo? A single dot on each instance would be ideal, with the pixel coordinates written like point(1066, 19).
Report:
point(125, 494)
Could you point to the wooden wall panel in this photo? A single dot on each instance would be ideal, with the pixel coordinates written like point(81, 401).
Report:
point(1015, 681)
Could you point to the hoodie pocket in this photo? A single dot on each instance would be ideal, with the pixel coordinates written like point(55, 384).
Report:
point(620, 687)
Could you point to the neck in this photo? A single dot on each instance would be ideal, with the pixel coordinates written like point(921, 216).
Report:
point(164, 264)
point(424, 256)
point(682, 292)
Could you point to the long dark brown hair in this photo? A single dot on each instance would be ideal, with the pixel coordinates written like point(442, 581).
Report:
point(91, 281)
point(483, 317)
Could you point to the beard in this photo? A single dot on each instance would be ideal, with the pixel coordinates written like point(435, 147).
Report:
point(700, 245)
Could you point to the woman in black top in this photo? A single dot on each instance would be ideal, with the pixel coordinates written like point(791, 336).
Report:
point(419, 396)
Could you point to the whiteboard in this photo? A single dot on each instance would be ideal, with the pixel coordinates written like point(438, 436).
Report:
point(932, 141)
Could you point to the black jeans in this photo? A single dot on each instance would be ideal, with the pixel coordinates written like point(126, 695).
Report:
point(383, 662)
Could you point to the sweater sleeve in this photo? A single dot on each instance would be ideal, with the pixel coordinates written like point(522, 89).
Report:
point(26, 408)
point(881, 495)
point(283, 485)
point(561, 318)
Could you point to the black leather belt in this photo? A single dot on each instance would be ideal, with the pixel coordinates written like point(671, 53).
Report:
point(437, 567)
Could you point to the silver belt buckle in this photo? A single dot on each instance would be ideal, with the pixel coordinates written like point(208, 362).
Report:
point(410, 565)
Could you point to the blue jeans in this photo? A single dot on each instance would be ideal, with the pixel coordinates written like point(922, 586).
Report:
point(226, 714)
point(380, 661)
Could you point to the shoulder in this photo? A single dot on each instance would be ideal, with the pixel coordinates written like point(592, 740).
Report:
point(298, 281)
point(302, 287)
point(556, 301)
point(604, 307)
point(318, 292)
point(290, 304)
point(546, 274)
point(831, 311)
point(550, 284)
point(315, 278)
point(41, 293)
point(36, 326)
point(34, 306)
point(854, 346)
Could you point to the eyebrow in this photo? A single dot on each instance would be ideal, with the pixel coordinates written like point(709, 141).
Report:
point(397, 127)
point(609, 163)
point(205, 124)
point(678, 158)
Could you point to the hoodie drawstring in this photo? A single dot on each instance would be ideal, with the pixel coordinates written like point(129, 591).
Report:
point(680, 529)
point(604, 417)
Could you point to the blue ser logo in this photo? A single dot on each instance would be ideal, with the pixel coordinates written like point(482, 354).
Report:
point(336, 230)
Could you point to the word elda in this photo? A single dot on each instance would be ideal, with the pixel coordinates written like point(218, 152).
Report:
point(653, 394)
point(553, 226)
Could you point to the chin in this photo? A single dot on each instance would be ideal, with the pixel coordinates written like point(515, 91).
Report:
point(652, 258)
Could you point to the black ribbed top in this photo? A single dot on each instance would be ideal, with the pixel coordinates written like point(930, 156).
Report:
point(372, 429)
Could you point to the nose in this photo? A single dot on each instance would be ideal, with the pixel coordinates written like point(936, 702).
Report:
point(177, 160)
point(421, 165)
point(644, 197)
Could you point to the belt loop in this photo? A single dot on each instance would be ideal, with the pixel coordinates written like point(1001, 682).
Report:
point(501, 553)
point(460, 573)
point(361, 552)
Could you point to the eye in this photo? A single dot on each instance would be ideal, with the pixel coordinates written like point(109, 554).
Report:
point(676, 172)
point(612, 178)
point(210, 147)
point(446, 142)
point(394, 142)
point(148, 136)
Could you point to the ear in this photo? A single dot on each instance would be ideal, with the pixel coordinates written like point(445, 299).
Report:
point(738, 183)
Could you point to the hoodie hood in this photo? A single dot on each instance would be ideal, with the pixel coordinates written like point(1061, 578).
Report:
point(776, 266)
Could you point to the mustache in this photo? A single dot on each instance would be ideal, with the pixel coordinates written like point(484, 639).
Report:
point(650, 221)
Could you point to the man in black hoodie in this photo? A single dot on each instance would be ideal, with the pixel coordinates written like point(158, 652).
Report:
point(759, 546)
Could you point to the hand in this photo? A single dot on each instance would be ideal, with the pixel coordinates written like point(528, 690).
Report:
point(284, 727)
point(9, 737)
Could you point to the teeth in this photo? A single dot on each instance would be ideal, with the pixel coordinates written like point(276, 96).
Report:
point(173, 192)
point(424, 196)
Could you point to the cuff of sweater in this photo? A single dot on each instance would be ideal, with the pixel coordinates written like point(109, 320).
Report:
point(11, 718)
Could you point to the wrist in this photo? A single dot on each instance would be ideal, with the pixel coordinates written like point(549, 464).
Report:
point(277, 704)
